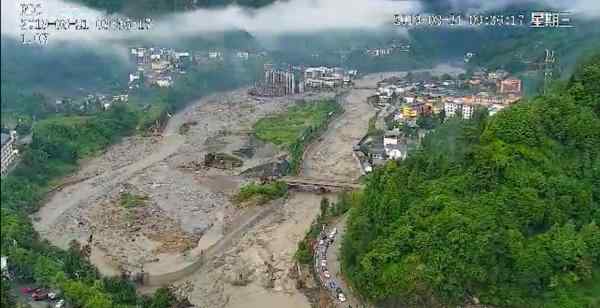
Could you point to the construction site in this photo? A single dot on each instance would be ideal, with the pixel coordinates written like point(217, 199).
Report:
point(297, 80)
point(277, 82)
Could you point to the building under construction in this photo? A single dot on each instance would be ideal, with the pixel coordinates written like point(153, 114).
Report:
point(277, 83)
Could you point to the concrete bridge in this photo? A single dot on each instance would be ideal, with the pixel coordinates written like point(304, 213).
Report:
point(319, 185)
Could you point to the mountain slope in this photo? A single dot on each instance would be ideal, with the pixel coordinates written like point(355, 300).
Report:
point(510, 214)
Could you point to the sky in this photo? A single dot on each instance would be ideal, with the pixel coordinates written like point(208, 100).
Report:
point(292, 16)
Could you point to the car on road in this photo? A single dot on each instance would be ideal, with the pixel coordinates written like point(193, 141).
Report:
point(326, 274)
point(333, 233)
point(60, 304)
point(342, 297)
point(324, 262)
point(39, 295)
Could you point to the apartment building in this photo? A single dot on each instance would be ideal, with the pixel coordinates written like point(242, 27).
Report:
point(9, 151)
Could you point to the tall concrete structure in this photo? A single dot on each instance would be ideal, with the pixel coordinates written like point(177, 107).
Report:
point(9, 151)
point(276, 82)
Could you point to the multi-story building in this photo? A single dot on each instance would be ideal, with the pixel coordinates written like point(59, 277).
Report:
point(509, 85)
point(454, 107)
point(9, 151)
point(277, 83)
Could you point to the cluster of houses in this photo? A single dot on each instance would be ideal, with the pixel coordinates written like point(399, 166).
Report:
point(402, 101)
point(90, 103)
point(493, 91)
point(327, 77)
point(157, 66)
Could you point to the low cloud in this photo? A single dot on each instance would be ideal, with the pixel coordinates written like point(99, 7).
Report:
point(582, 8)
point(281, 17)
point(294, 16)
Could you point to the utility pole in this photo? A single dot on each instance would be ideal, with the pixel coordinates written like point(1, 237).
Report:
point(549, 64)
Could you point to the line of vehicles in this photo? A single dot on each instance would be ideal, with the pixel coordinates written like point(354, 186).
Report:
point(325, 240)
point(40, 294)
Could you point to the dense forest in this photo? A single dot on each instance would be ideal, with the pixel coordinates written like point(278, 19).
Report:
point(503, 208)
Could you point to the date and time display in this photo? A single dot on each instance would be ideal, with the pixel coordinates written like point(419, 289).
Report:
point(541, 19)
point(36, 26)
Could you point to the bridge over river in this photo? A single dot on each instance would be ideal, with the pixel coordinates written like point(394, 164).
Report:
point(311, 184)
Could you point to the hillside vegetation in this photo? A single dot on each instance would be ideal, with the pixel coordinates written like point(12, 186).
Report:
point(509, 214)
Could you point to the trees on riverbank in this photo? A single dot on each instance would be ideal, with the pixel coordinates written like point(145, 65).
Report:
point(510, 216)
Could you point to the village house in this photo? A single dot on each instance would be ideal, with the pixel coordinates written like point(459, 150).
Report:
point(164, 82)
point(509, 85)
point(394, 145)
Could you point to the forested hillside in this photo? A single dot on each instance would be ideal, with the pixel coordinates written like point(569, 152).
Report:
point(509, 214)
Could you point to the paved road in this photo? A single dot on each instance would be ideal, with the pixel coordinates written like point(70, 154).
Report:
point(334, 265)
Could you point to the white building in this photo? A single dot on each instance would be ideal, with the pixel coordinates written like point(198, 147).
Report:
point(493, 109)
point(396, 151)
point(394, 148)
point(160, 65)
point(391, 137)
point(133, 77)
point(4, 266)
point(9, 152)
point(452, 108)
point(243, 55)
point(215, 55)
point(164, 82)
point(180, 55)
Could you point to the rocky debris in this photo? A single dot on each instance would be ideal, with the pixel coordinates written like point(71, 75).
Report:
point(124, 153)
point(135, 234)
point(192, 165)
point(245, 152)
point(185, 127)
point(182, 206)
point(222, 161)
point(241, 275)
point(277, 168)
point(182, 290)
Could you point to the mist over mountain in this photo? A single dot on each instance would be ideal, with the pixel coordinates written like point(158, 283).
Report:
point(328, 32)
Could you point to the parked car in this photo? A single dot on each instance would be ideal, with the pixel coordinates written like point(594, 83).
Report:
point(39, 295)
point(342, 297)
point(53, 295)
point(60, 304)
point(27, 290)
point(326, 274)
point(324, 262)
point(333, 233)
